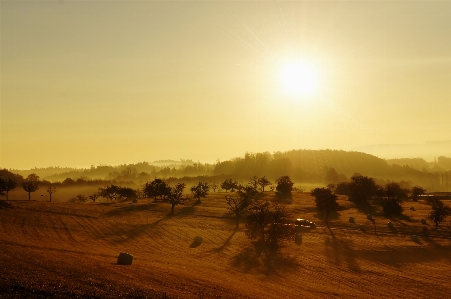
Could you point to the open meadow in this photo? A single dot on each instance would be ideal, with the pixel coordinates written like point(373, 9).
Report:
point(59, 249)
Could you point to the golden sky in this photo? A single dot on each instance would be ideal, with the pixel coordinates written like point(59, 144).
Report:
point(111, 82)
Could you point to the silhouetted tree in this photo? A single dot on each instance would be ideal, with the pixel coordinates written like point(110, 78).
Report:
point(284, 185)
point(110, 192)
point(269, 225)
point(237, 205)
point(361, 188)
point(416, 191)
point(175, 196)
point(31, 184)
point(7, 184)
point(50, 190)
point(200, 190)
point(157, 187)
point(263, 182)
point(439, 211)
point(325, 200)
point(229, 184)
point(391, 202)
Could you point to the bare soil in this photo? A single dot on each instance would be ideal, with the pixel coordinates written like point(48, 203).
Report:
point(62, 250)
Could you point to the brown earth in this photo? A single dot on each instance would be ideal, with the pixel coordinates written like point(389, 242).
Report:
point(60, 250)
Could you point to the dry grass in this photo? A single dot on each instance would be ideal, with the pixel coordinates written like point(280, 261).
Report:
point(70, 250)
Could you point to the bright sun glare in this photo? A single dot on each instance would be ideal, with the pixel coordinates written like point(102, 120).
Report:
point(299, 79)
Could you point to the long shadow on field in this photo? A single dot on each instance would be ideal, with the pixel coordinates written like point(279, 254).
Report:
point(339, 252)
point(128, 233)
point(5, 205)
point(249, 260)
point(226, 243)
point(129, 209)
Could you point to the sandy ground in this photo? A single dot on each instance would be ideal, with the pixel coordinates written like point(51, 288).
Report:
point(61, 250)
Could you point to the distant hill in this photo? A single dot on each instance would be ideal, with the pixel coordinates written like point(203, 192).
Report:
point(427, 151)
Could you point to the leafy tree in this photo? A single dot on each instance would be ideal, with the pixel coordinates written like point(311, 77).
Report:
point(284, 186)
point(263, 182)
point(325, 200)
point(439, 211)
point(229, 184)
point(175, 196)
point(157, 187)
point(50, 190)
point(416, 191)
point(392, 201)
point(111, 192)
point(200, 190)
point(361, 188)
point(7, 184)
point(269, 225)
point(126, 192)
point(245, 196)
point(31, 184)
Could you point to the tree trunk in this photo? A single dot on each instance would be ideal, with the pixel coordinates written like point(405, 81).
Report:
point(172, 209)
point(327, 216)
point(7, 195)
point(29, 196)
point(237, 221)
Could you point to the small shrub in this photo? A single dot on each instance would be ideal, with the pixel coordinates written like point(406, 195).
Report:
point(79, 199)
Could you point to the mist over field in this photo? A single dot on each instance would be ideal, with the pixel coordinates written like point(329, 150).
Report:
point(225, 149)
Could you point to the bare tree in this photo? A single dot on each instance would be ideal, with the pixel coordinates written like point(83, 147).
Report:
point(31, 184)
point(50, 190)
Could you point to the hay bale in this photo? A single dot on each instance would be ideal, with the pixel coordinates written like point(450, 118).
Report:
point(369, 217)
point(415, 238)
point(423, 221)
point(362, 227)
point(390, 224)
point(197, 241)
point(412, 208)
point(351, 219)
point(124, 259)
point(298, 239)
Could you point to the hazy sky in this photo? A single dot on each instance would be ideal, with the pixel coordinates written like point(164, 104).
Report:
point(111, 82)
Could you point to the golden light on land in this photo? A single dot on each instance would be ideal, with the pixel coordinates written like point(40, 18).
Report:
point(299, 78)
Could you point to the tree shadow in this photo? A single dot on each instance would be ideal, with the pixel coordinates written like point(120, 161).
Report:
point(401, 217)
point(340, 252)
point(321, 215)
point(134, 231)
point(225, 244)
point(128, 209)
point(5, 205)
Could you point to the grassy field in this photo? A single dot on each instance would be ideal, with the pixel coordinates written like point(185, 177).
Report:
point(58, 249)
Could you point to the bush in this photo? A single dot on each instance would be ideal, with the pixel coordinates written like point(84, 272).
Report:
point(79, 199)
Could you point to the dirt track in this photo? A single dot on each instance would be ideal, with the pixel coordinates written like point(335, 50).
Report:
point(70, 250)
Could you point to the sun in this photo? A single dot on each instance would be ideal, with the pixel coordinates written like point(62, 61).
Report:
point(299, 78)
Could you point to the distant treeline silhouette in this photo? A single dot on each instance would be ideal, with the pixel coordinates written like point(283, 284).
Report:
point(306, 166)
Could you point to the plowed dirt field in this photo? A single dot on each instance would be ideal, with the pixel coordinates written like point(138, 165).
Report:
point(62, 250)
